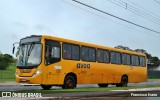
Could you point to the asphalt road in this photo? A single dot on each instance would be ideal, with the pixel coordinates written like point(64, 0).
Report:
point(21, 88)
point(111, 95)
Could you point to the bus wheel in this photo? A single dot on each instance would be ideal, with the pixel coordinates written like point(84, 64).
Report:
point(69, 82)
point(103, 85)
point(46, 87)
point(124, 81)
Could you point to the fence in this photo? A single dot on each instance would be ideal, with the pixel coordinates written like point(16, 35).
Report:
point(153, 74)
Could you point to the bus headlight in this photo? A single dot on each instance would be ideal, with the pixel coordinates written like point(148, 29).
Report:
point(37, 73)
point(16, 74)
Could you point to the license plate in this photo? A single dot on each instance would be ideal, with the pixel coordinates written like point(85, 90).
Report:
point(23, 80)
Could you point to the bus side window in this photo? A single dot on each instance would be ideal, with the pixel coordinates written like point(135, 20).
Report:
point(135, 60)
point(75, 52)
point(70, 51)
point(55, 53)
point(106, 56)
point(85, 53)
point(128, 59)
point(100, 55)
point(92, 54)
point(118, 58)
point(52, 52)
point(113, 57)
point(66, 51)
point(142, 61)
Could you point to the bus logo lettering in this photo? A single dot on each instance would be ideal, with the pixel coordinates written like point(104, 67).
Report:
point(78, 65)
point(85, 65)
point(88, 65)
point(81, 65)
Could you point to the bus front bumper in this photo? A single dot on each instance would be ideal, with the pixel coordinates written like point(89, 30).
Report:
point(29, 80)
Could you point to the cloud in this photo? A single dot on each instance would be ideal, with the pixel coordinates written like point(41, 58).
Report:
point(43, 28)
point(21, 25)
point(14, 36)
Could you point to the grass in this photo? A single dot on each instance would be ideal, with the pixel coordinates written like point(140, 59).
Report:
point(95, 89)
point(155, 79)
point(8, 74)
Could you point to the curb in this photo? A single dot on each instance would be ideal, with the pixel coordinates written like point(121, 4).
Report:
point(8, 84)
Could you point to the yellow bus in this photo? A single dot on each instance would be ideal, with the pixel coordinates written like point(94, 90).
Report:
point(52, 61)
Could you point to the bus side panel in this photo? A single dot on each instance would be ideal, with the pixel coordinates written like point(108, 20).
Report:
point(137, 74)
point(143, 74)
point(133, 76)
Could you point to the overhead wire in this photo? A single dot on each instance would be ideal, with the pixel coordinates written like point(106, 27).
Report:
point(145, 10)
point(135, 11)
point(105, 18)
point(110, 20)
point(156, 1)
point(96, 9)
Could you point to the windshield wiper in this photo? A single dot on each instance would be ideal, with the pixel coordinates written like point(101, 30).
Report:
point(31, 48)
point(23, 49)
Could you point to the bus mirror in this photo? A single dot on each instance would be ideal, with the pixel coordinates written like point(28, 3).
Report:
point(13, 49)
point(17, 53)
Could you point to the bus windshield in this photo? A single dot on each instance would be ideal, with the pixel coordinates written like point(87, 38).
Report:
point(29, 55)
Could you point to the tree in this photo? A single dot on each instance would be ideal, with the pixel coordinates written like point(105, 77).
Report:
point(149, 56)
point(8, 58)
point(154, 61)
point(3, 63)
point(123, 47)
point(140, 50)
point(5, 60)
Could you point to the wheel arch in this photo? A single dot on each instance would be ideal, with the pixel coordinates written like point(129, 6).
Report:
point(125, 75)
point(72, 74)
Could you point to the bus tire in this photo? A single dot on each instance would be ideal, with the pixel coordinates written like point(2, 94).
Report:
point(124, 81)
point(69, 82)
point(103, 85)
point(46, 87)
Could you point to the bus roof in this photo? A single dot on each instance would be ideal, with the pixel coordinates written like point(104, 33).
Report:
point(91, 45)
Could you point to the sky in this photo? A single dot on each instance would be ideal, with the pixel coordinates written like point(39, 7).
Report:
point(67, 19)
